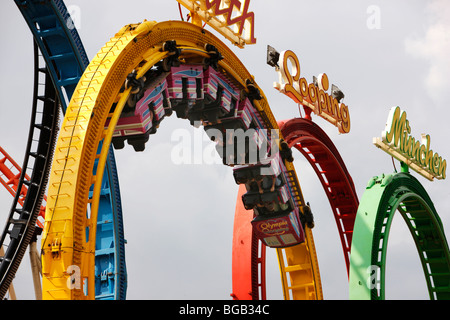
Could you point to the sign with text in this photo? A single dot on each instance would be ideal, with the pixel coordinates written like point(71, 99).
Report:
point(228, 17)
point(311, 95)
point(416, 154)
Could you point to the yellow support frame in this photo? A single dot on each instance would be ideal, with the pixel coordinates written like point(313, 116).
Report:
point(68, 241)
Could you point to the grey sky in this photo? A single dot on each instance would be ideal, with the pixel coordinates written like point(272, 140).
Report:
point(179, 218)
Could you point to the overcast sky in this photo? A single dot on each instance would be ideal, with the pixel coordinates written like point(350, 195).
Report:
point(179, 218)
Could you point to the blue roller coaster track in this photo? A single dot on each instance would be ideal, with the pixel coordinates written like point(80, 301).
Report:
point(65, 60)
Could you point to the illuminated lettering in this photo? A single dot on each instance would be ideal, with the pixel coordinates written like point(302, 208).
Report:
point(231, 18)
point(397, 141)
point(314, 97)
point(245, 17)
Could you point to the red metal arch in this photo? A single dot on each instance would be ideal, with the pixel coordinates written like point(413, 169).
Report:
point(248, 264)
point(322, 154)
point(249, 256)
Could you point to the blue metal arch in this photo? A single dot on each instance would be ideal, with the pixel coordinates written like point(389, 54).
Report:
point(66, 59)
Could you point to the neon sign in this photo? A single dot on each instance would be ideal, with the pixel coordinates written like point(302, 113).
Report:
point(313, 96)
point(228, 17)
point(397, 141)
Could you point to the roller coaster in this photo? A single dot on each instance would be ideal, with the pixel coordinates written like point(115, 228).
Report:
point(57, 72)
point(146, 73)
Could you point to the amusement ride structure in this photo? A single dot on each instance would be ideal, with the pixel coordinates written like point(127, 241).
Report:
point(152, 70)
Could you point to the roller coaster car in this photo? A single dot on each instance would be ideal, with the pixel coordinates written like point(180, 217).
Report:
point(238, 118)
point(156, 99)
point(241, 147)
point(140, 119)
point(270, 192)
point(229, 127)
point(246, 174)
point(280, 230)
point(221, 98)
point(185, 87)
point(267, 189)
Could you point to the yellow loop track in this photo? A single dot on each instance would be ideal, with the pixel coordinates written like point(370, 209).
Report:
point(68, 242)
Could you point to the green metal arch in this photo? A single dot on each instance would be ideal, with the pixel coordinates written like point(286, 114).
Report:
point(384, 195)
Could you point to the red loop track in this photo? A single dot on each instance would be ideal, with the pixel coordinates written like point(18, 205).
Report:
point(248, 267)
point(319, 150)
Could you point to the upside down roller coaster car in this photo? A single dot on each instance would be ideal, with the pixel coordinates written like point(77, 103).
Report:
point(205, 95)
point(244, 111)
point(139, 53)
point(191, 79)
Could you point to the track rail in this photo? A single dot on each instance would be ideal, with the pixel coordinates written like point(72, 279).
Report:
point(136, 47)
point(65, 59)
point(338, 185)
point(20, 226)
point(308, 138)
point(249, 256)
point(384, 195)
point(10, 172)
